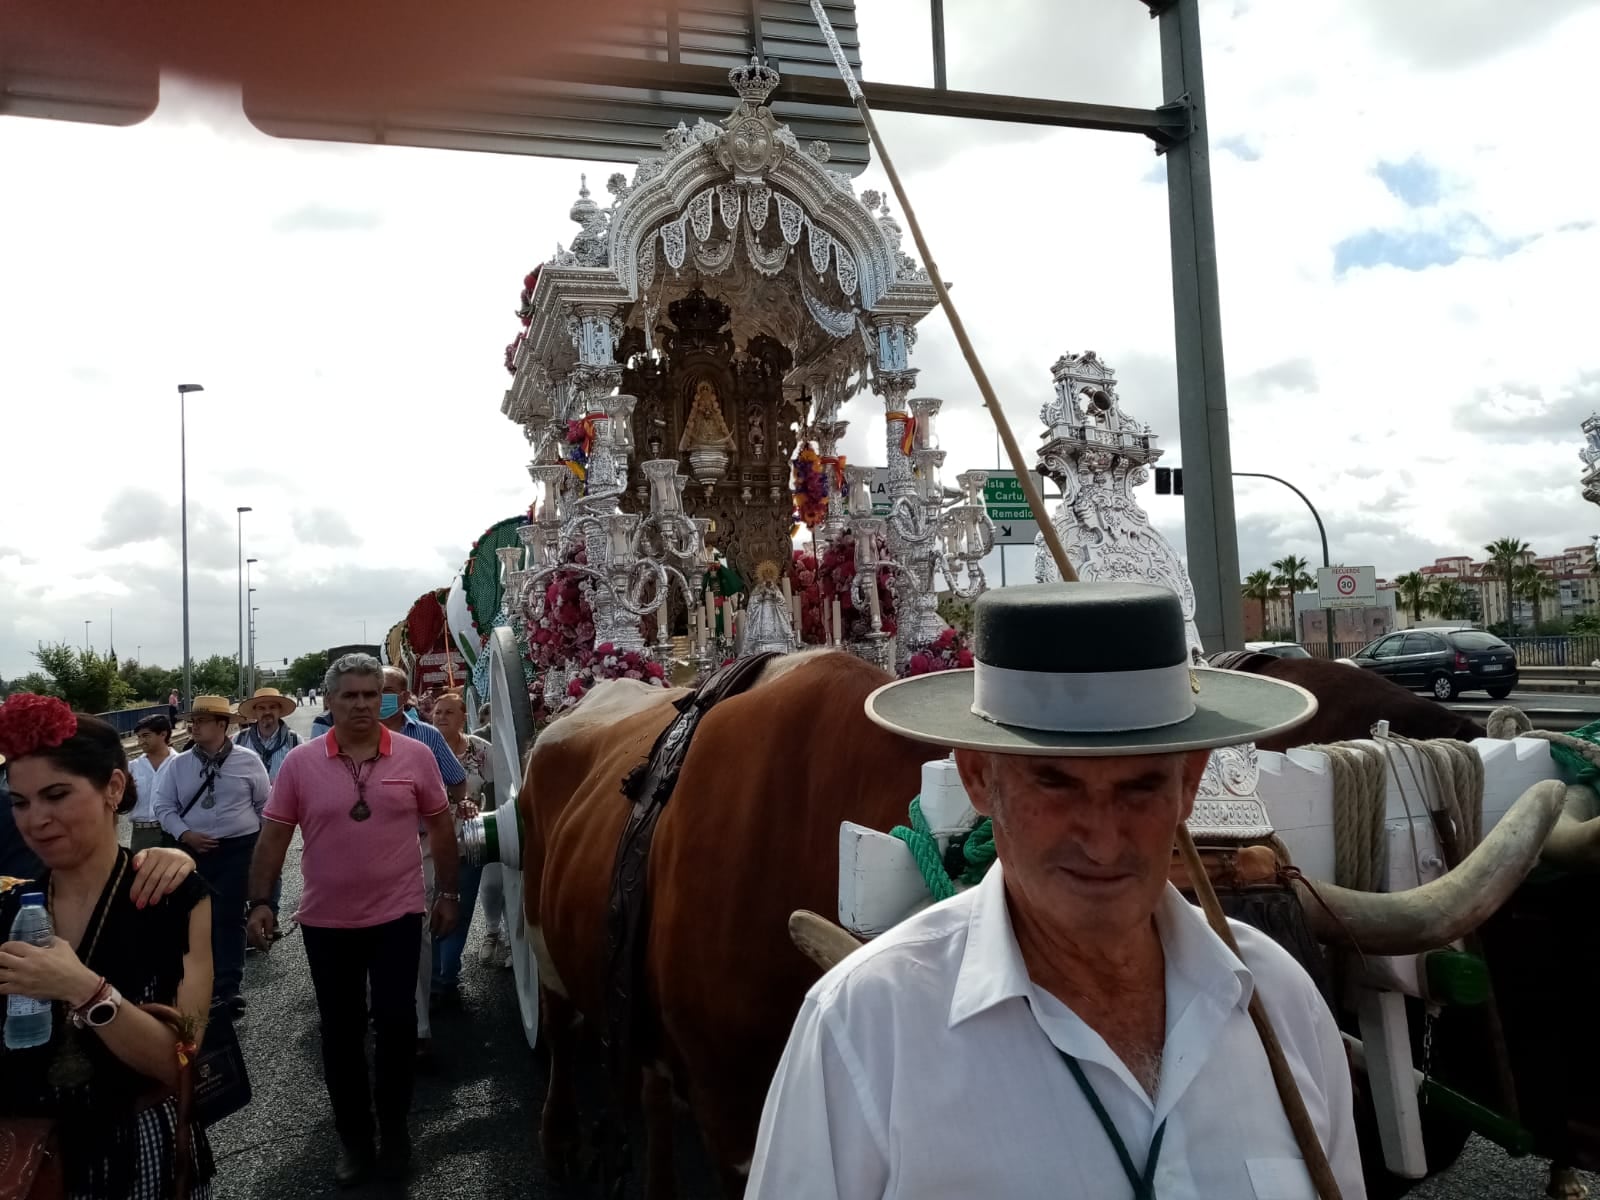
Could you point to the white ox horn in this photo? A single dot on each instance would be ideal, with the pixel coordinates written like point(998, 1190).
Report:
point(1574, 843)
point(820, 940)
point(1437, 913)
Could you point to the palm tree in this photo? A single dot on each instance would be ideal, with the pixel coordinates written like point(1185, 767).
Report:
point(1260, 587)
point(1534, 586)
point(1505, 555)
point(1447, 598)
point(1291, 574)
point(1412, 591)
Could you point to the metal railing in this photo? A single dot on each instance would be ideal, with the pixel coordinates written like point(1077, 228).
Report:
point(124, 719)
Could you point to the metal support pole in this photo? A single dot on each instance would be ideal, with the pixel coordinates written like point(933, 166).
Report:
point(1322, 533)
point(1209, 527)
point(941, 78)
point(183, 509)
point(239, 513)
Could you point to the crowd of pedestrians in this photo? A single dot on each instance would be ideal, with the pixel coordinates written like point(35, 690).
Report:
point(385, 908)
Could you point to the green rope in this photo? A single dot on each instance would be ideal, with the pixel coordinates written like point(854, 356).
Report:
point(972, 853)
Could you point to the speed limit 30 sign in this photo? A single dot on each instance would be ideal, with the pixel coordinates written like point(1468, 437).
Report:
point(1347, 587)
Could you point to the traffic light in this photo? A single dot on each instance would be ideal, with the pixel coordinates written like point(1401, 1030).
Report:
point(1169, 481)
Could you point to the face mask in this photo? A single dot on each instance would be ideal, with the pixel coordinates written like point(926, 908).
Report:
point(389, 705)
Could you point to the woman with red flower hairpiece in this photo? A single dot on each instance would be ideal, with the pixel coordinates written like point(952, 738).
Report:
point(107, 1074)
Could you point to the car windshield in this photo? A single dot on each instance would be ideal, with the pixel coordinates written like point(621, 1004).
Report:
point(1473, 640)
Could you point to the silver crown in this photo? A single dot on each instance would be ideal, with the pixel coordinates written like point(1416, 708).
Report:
point(754, 82)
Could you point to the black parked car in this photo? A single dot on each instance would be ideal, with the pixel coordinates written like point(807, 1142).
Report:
point(1445, 662)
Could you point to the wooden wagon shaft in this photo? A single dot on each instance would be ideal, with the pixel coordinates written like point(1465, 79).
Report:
point(1294, 1105)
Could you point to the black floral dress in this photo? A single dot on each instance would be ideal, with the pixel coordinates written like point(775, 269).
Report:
point(118, 1136)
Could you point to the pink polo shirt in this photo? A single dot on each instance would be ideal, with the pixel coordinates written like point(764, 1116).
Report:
point(358, 873)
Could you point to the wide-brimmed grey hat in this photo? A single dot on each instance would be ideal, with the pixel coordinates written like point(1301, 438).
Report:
point(1086, 669)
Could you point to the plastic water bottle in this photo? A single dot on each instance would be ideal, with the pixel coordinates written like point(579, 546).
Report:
point(28, 1020)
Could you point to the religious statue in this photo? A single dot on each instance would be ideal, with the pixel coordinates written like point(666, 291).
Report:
point(769, 622)
point(756, 424)
point(705, 428)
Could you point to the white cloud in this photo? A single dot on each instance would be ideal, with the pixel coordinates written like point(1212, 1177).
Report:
point(346, 308)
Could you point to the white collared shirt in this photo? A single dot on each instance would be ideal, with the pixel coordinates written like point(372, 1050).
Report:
point(240, 794)
point(926, 1067)
point(144, 781)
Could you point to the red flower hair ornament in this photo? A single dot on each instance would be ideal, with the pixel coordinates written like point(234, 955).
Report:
point(30, 723)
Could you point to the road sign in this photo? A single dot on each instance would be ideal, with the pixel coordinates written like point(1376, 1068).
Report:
point(1008, 508)
point(1347, 587)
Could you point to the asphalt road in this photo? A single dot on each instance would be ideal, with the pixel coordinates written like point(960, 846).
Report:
point(474, 1119)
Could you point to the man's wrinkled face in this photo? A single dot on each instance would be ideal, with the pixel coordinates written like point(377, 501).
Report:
point(1086, 842)
point(354, 703)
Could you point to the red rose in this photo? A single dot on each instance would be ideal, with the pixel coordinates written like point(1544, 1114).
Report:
point(920, 663)
point(964, 659)
point(30, 723)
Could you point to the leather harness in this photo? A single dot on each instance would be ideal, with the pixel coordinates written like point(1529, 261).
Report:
point(649, 786)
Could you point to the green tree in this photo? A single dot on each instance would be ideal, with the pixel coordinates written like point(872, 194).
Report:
point(306, 672)
point(150, 684)
point(33, 681)
point(1263, 589)
point(1411, 589)
point(1291, 575)
point(83, 678)
point(1534, 586)
point(216, 675)
point(1447, 598)
point(1505, 556)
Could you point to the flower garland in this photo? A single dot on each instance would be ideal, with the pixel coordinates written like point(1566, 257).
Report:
point(564, 634)
point(810, 488)
point(820, 584)
point(949, 652)
point(612, 663)
point(525, 315)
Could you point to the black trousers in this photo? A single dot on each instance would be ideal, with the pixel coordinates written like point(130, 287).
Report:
point(343, 964)
point(227, 870)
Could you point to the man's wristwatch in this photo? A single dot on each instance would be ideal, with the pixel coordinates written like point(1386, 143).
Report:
point(453, 897)
point(101, 1010)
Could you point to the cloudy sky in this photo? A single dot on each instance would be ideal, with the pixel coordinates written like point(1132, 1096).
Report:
point(1406, 231)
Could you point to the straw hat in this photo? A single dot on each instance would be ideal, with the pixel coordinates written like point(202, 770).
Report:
point(211, 706)
point(1086, 669)
point(250, 710)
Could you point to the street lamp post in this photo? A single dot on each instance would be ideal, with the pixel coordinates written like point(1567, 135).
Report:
point(183, 491)
point(245, 673)
point(240, 512)
point(86, 625)
point(253, 613)
point(1321, 532)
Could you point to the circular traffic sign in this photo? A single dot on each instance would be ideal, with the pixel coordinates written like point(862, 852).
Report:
point(1347, 585)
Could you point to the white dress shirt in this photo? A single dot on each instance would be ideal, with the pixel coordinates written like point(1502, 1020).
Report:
point(241, 793)
point(926, 1067)
point(144, 774)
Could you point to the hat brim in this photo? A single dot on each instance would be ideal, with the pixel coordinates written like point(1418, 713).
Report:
point(206, 712)
point(1231, 708)
point(250, 710)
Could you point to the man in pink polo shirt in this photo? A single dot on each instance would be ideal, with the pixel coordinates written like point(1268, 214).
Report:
point(357, 793)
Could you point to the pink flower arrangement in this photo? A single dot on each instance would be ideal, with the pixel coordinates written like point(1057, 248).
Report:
point(611, 663)
point(821, 583)
point(948, 652)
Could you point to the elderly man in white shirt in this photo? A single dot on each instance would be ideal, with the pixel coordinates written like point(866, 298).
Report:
point(1069, 1027)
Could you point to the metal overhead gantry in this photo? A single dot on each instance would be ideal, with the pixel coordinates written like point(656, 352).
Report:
point(608, 101)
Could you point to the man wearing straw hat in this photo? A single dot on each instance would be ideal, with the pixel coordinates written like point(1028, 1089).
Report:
point(1070, 1026)
point(265, 731)
point(209, 801)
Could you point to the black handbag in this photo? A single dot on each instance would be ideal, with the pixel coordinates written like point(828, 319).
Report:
point(221, 1080)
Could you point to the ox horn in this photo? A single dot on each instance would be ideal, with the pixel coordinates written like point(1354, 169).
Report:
point(820, 940)
point(1437, 913)
point(1574, 843)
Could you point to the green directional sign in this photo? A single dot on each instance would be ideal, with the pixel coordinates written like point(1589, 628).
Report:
point(1008, 508)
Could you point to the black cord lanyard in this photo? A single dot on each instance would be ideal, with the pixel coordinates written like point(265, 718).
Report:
point(1144, 1186)
point(360, 810)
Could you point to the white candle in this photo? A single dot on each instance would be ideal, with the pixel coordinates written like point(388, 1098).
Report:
point(788, 593)
point(872, 599)
point(838, 624)
point(798, 614)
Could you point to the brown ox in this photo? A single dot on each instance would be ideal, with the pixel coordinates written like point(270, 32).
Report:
point(1350, 701)
point(750, 835)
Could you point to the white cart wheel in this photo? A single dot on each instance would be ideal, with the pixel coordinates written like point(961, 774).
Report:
point(511, 720)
